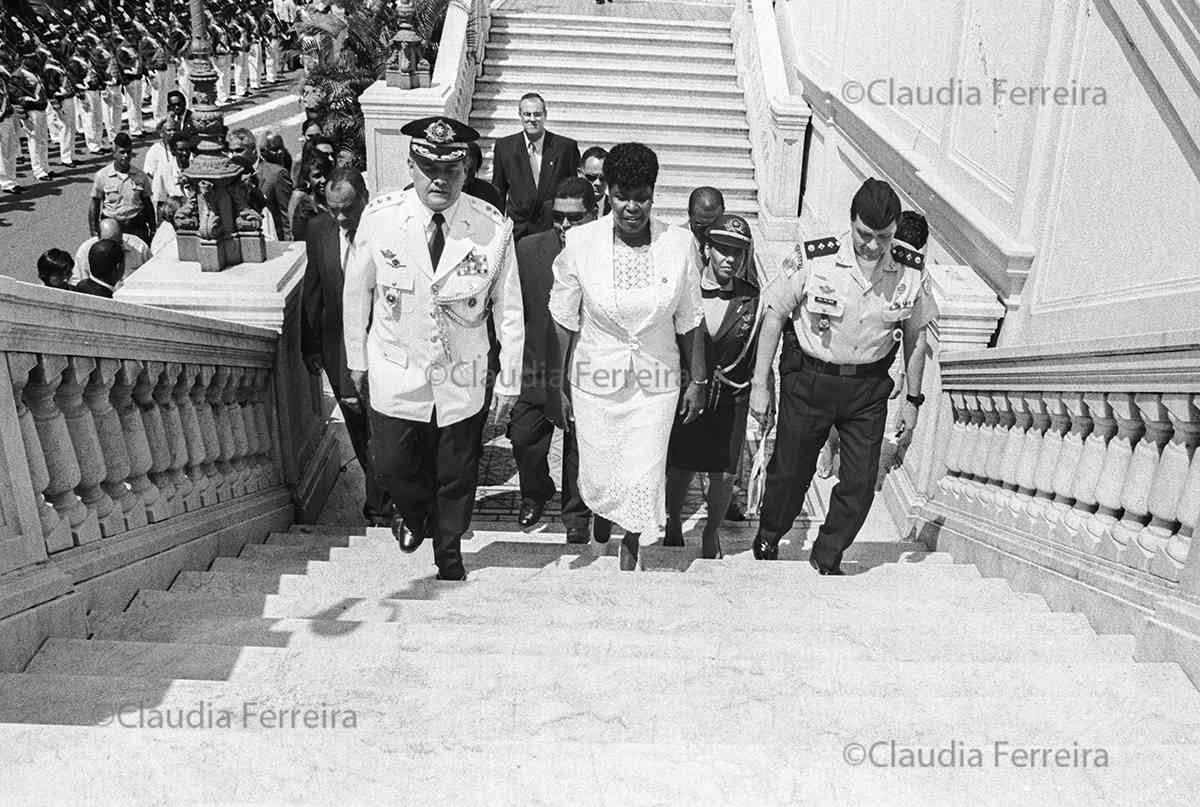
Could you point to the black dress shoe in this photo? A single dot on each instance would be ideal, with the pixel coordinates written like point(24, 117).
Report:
point(602, 530)
point(734, 513)
point(765, 548)
point(836, 571)
point(531, 512)
point(674, 533)
point(408, 538)
point(630, 546)
point(452, 577)
point(578, 535)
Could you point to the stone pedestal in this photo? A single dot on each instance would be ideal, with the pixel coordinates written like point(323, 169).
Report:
point(265, 294)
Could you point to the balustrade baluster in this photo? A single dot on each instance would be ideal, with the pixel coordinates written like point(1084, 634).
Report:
point(1135, 496)
point(977, 487)
point(1027, 463)
point(245, 397)
point(1010, 456)
point(55, 529)
point(215, 394)
point(86, 442)
point(156, 435)
point(237, 429)
point(211, 492)
point(1073, 524)
point(153, 504)
point(269, 455)
point(1175, 553)
point(1043, 476)
point(1113, 475)
point(98, 397)
point(951, 482)
point(1167, 485)
point(1002, 423)
point(164, 396)
point(1063, 479)
point(62, 463)
point(193, 438)
point(967, 485)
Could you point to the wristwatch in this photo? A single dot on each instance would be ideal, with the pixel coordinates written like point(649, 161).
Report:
point(915, 400)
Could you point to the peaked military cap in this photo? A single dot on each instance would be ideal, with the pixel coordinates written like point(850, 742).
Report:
point(439, 139)
point(820, 247)
point(905, 255)
point(730, 230)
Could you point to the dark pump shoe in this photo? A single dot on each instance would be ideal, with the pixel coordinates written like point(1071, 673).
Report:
point(602, 530)
point(408, 539)
point(531, 512)
point(578, 535)
point(837, 571)
point(765, 548)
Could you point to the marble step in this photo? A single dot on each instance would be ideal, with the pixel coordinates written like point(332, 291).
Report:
point(904, 641)
point(532, 76)
point(611, 38)
point(665, 143)
point(502, 19)
point(804, 612)
point(473, 675)
point(625, 711)
point(652, 75)
point(718, 55)
point(55, 764)
point(628, 126)
point(559, 96)
point(734, 184)
point(984, 595)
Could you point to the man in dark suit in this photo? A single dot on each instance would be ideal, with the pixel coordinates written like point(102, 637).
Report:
point(274, 181)
point(527, 167)
point(330, 239)
point(106, 262)
point(538, 408)
point(474, 186)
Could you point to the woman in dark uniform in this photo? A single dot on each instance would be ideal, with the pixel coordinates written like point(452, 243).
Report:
point(712, 443)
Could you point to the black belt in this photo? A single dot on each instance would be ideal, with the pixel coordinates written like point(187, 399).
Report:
point(796, 359)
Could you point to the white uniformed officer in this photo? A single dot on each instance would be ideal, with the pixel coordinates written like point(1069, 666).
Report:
point(429, 265)
point(851, 307)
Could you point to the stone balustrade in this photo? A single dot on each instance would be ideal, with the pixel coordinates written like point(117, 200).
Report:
point(134, 442)
point(1073, 471)
point(778, 117)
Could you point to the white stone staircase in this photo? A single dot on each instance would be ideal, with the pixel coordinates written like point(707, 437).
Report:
point(552, 678)
point(670, 84)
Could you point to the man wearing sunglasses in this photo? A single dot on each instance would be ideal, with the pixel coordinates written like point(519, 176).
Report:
point(591, 168)
point(537, 410)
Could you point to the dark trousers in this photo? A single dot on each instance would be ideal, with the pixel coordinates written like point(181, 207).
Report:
point(531, 432)
point(137, 226)
point(809, 404)
point(430, 472)
point(377, 503)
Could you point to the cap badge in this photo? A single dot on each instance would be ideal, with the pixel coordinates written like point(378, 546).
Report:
point(439, 133)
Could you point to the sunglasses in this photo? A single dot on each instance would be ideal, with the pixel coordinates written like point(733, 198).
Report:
point(574, 218)
point(593, 177)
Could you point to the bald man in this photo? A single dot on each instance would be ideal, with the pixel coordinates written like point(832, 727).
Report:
point(136, 250)
point(329, 238)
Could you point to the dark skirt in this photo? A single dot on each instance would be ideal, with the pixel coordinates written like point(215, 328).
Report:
point(711, 443)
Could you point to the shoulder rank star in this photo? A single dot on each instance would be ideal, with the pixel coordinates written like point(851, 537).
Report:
point(820, 247)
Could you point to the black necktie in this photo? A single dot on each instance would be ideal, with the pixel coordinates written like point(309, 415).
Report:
point(723, 293)
point(438, 242)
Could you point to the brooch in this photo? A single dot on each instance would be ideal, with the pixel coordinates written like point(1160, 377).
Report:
point(473, 264)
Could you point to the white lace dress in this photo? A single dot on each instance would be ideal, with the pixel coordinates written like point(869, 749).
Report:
point(623, 431)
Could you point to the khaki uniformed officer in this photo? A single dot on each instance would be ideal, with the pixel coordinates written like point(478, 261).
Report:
point(850, 306)
point(429, 265)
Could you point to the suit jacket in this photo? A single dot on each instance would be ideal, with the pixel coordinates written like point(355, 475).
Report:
point(513, 178)
point(419, 330)
point(89, 286)
point(609, 348)
point(276, 184)
point(321, 302)
point(542, 361)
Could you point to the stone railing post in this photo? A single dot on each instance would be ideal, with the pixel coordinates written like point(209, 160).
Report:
point(189, 421)
point(164, 396)
point(86, 442)
point(98, 396)
point(56, 530)
point(137, 446)
point(1139, 479)
point(1072, 525)
point(1010, 456)
point(156, 437)
point(1166, 499)
point(1063, 479)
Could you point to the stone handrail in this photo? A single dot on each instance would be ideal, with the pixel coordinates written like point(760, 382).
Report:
point(125, 431)
point(386, 109)
point(1091, 447)
point(777, 117)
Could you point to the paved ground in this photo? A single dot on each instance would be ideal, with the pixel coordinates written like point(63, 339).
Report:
point(54, 213)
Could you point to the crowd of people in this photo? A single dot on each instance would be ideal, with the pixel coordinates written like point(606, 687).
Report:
point(552, 298)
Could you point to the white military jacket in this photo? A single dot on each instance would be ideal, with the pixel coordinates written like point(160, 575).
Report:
point(420, 331)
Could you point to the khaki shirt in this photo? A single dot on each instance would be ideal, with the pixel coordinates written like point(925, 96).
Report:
point(420, 330)
point(120, 194)
point(865, 315)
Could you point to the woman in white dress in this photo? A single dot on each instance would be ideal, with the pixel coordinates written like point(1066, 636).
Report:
point(626, 303)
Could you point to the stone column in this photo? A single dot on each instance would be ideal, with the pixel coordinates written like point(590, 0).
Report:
point(1167, 488)
point(1072, 527)
point(208, 432)
point(1027, 464)
point(1135, 496)
point(193, 437)
point(137, 445)
point(156, 437)
point(82, 427)
point(1113, 473)
point(164, 396)
point(55, 530)
point(1037, 510)
point(1010, 456)
point(215, 397)
point(1063, 479)
point(98, 396)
